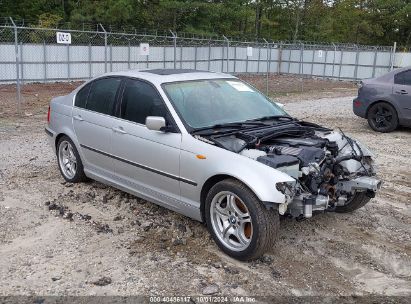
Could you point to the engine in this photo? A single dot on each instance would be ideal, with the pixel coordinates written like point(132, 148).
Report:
point(328, 167)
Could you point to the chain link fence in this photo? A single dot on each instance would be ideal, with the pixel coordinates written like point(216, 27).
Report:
point(32, 54)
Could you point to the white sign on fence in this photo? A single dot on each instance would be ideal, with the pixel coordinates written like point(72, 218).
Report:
point(249, 51)
point(64, 38)
point(320, 53)
point(144, 49)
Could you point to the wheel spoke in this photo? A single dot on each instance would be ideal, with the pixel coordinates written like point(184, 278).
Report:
point(65, 152)
point(225, 231)
point(240, 237)
point(245, 220)
point(221, 211)
point(233, 205)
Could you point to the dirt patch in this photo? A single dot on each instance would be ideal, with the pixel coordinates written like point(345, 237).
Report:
point(97, 240)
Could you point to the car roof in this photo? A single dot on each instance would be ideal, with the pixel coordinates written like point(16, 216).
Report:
point(159, 76)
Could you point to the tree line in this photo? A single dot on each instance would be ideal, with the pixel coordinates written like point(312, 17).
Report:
point(377, 22)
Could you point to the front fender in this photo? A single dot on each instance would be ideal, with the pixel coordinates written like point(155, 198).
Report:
point(260, 178)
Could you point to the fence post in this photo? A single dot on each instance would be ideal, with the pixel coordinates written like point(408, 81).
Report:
point(68, 62)
point(235, 59)
point(302, 65)
point(222, 59)
point(374, 62)
point(164, 56)
point(209, 55)
point(89, 61)
point(312, 63)
point(325, 62)
point(279, 58)
point(181, 56)
point(22, 63)
point(340, 65)
point(195, 57)
point(392, 59)
point(129, 56)
point(111, 57)
point(335, 53)
point(175, 47)
point(246, 63)
point(44, 60)
point(105, 48)
point(267, 66)
point(16, 45)
point(289, 59)
point(259, 57)
point(228, 48)
point(357, 54)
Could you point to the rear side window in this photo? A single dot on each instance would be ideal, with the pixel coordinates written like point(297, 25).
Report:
point(81, 97)
point(103, 95)
point(403, 78)
point(140, 100)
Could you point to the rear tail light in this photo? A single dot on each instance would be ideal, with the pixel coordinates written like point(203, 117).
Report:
point(48, 115)
point(357, 103)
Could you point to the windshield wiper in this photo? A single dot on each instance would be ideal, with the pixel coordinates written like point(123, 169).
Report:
point(272, 117)
point(230, 126)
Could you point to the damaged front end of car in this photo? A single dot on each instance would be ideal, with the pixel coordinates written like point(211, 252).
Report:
point(328, 167)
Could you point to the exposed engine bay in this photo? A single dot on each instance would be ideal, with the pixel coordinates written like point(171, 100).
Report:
point(329, 168)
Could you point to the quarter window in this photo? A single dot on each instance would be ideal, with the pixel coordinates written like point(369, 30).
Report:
point(140, 100)
point(81, 97)
point(103, 95)
point(403, 78)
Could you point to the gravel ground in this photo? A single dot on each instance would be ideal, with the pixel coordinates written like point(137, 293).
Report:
point(90, 239)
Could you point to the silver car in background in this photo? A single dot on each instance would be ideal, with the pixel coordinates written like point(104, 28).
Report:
point(211, 147)
point(385, 101)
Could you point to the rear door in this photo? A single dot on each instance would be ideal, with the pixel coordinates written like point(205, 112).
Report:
point(146, 161)
point(93, 122)
point(402, 92)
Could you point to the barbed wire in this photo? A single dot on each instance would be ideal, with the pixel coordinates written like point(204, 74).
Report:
point(129, 34)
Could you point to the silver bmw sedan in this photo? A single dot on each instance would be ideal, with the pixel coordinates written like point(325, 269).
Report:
point(211, 147)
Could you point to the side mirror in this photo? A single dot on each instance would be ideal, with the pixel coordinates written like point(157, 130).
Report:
point(155, 123)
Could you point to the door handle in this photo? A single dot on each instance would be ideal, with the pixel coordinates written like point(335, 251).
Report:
point(78, 117)
point(119, 130)
point(402, 92)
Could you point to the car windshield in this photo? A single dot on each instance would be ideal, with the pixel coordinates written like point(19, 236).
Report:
point(206, 103)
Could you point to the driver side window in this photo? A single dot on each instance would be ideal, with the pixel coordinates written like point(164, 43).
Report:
point(140, 100)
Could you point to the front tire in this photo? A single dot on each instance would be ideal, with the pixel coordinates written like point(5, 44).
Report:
point(357, 201)
point(382, 117)
point(69, 161)
point(239, 223)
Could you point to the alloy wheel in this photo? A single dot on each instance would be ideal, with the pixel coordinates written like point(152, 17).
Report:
point(231, 221)
point(67, 159)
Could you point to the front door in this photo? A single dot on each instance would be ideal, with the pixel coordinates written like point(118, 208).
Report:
point(146, 161)
point(402, 92)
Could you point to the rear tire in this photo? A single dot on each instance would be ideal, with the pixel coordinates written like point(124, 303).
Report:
point(69, 161)
point(382, 117)
point(239, 223)
point(358, 200)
